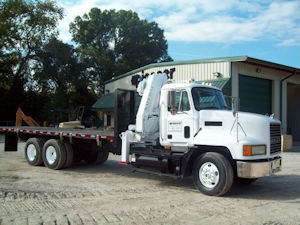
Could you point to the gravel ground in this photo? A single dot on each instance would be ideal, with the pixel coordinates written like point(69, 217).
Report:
point(114, 194)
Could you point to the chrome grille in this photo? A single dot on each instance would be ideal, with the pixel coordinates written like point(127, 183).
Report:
point(275, 138)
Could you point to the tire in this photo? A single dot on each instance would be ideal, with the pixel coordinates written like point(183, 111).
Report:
point(104, 157)
point(96, 156)
point(213, 174)
point(33, 151)
point(54, 154)
point(70, 155)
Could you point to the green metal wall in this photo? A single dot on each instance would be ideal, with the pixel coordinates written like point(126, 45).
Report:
point(255, 95)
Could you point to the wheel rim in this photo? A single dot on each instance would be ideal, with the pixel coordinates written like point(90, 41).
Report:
point(31, 152)
point(209, 175)
point(50, 154)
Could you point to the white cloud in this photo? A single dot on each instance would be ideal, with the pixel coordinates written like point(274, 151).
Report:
point(71, 10)
point(219, 21)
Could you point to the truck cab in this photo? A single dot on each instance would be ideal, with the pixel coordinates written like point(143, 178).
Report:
point(180, 107)
point(185, 128)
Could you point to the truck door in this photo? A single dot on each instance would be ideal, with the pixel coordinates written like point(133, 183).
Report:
point(179, 118)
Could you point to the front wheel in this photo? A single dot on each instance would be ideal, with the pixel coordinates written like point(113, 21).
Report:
point(213, 174)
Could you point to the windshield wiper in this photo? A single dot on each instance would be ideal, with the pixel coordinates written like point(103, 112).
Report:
point(197, 132)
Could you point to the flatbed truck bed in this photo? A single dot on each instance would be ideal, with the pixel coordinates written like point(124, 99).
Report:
point(63, 132)
point(58, 148)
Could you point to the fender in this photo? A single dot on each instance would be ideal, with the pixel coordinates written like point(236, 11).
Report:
point(187, 161)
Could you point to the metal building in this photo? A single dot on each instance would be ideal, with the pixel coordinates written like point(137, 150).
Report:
point(263, 87)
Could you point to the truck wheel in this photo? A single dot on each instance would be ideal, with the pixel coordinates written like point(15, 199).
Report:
point(54, 154)
point(103, 157)
point(90, 157)
point(213, 174)
point(96, 157)
point(70, 155)
point(33, 151)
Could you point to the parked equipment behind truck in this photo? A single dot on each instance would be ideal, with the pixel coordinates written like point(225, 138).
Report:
point(181, 129)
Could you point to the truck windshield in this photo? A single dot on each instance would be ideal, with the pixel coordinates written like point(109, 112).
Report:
point(208, 98)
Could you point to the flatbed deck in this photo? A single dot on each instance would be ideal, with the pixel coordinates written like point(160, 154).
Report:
point(64, 132)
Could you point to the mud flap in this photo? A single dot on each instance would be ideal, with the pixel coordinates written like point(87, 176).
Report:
point(11, 142)
point(186, 169)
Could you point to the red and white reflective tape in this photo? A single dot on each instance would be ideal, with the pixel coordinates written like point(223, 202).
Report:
point(53, 133)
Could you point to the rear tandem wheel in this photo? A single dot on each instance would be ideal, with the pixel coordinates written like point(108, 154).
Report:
point(54, 154)
point(33, 151)
point(96, 155)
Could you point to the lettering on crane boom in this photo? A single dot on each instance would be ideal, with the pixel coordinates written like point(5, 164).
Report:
point(136, 79)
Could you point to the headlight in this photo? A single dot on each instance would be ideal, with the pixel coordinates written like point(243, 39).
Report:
point(249, 150)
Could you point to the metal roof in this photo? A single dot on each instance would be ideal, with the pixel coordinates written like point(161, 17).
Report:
point(222, 83)
point(245, 59)
point(106, 102)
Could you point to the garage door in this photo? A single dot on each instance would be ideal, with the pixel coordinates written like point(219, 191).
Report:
point(255, 95)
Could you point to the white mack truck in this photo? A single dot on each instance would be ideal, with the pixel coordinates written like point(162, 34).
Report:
point(178, 129)
point(186, 128)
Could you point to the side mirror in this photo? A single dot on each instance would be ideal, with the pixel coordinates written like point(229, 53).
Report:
point(234, 106)
point(173, 111)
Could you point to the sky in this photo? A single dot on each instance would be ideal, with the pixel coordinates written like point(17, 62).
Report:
point(197, 29)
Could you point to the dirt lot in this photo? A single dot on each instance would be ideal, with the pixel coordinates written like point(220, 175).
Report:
point(114, 194)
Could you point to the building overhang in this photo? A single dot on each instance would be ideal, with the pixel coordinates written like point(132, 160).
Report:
point(243, 59)
point(271, 65)
point(105, 102)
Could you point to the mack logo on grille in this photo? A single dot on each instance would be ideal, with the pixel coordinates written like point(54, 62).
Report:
point(275, 140)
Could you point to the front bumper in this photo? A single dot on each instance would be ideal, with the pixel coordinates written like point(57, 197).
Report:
point(258, 169)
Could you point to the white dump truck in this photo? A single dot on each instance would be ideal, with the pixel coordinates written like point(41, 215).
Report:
point(180, 129)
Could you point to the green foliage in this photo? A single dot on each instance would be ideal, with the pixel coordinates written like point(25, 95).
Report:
point(38, 72)
point(24, 27)
point(59, 72)
point(58, 66)
point(114, 42)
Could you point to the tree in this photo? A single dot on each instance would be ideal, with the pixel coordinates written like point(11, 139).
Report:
point(114, 42)
point(60, 73)
point(58, 66)
point(24, 27)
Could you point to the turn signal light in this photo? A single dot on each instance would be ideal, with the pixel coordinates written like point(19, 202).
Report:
point(249, 150)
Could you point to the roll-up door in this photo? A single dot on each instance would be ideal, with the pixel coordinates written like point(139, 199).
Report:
point(255, 95)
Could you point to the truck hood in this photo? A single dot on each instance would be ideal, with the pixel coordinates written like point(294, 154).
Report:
point(251, 125)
